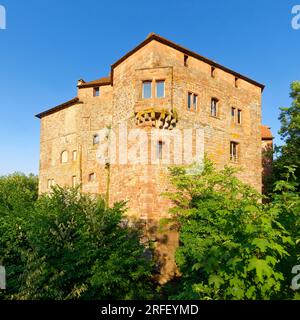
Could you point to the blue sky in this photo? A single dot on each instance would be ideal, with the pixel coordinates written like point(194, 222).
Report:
point(48, 45)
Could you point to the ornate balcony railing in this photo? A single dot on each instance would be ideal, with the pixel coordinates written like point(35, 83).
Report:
point(157, 118)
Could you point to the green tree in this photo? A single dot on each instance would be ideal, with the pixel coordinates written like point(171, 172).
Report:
point(231, 244)
point(78, 249)
point(18, 194)
point(289, 153)
point(286, 200)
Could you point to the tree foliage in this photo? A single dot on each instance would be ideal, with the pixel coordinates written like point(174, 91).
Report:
point(18, 194)
point(67, 245)
point(231, 245)
point(289, 153)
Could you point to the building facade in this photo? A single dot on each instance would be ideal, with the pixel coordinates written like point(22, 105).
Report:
point(159, 88)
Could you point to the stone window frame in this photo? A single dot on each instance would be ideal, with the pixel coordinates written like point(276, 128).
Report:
point(233, 114)
point(96, 139)
point(185, 60)
point(217, 107)
point(92, 177)
point(239, 116)
point(192, 107)
point(236, 82)
point(155, 86)
point(50, 183)
point(213, 71)
point(96, 92)
point(74, 181)
point(74, 155)
point(159, 150)
point(64, 157)
point(235, 158)
point(151, 91)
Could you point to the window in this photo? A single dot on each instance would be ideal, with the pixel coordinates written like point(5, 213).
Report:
point(64, 157)
point(212, 72)
point(160, 89)
point(239, 116)
point(159, 149)
point(147, 89)
point(92, 177)
point(236, 82)
point(74, 181)
point(95, 139)
point(195, 102)
point(214, 107)
point(96, 92)
point(50, 183)
point(190, 100)
point(185, 59)
point(233, 114)
point(74, 155)
point(234, 151)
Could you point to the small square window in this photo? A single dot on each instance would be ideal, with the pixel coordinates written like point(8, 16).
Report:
point(97, 92)
point(147, 89)
point(160, 89)
point(92, 177)
point(214, 107)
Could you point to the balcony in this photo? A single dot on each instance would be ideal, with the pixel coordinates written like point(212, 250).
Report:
point(157, 118)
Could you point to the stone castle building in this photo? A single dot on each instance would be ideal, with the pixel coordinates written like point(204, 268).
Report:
point(162, 85)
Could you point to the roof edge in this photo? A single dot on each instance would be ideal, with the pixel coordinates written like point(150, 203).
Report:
point(58, 108)
point(171, 44)
point(91, 85)
point(266, 133)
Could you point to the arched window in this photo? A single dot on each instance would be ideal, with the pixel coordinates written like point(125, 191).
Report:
point(64, 157)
